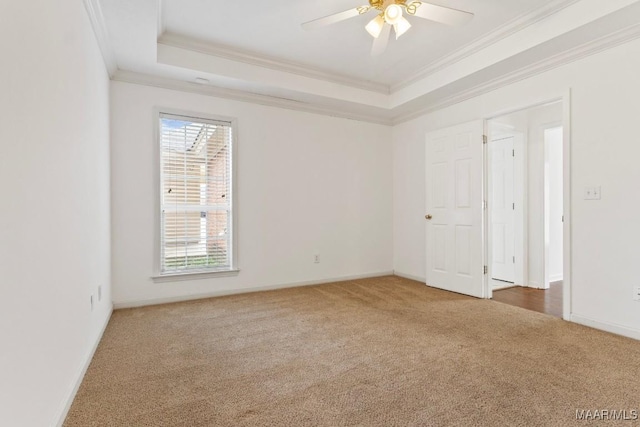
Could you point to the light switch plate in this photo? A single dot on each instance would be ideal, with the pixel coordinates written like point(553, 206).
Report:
point(592, 193)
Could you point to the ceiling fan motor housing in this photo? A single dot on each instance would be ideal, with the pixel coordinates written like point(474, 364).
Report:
point(382, 4)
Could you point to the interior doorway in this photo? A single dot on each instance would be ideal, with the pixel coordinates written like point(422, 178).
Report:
point(525, 209)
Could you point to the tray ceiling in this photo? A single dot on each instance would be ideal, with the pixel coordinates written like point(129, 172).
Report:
point(256, 51)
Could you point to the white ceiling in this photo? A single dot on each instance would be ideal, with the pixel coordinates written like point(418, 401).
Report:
point(272, 29)
point(256, 50)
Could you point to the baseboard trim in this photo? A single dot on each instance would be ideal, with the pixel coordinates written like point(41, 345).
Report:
point(606, 326)
point(410, 276)
point(534, 285)
point(169, 300)
point(71, 395)
point(555, 278)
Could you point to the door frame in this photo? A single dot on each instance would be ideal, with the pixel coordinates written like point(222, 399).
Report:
point(565, 98)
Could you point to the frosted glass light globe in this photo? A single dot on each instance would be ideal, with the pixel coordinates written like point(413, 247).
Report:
point(392, 14)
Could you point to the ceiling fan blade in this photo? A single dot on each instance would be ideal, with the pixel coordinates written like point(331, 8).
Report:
point(444, 15)
point(332, 19)
point(380, 43)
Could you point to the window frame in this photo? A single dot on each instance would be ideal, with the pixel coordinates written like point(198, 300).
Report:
point(158, 275)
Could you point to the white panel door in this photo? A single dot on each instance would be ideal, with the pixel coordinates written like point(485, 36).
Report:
point(454, 214)
point(501, 160)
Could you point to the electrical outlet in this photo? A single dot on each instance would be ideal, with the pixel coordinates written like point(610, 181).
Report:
point(91, 302)
point(636, 293)
point(316, 259)
point(99, 293)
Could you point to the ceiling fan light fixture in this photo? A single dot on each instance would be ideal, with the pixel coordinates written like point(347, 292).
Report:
point(393, 14)
point(390, 13)
point(374, 27)
point(401, 27)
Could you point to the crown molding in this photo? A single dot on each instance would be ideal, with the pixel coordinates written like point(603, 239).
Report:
point(96, 17)
point(504, 31)
point(579, 52)
point(243, 96)
point(226, 52)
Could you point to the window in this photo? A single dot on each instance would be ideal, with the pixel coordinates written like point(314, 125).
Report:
point(196, 200)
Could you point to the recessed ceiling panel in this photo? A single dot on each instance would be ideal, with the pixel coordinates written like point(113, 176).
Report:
point(272, 29)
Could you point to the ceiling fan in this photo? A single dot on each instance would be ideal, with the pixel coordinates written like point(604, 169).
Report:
point(391, 14)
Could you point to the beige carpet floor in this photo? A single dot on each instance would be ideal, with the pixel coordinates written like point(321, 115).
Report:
point(374, 352)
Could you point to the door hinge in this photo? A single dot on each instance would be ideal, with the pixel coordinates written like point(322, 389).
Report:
point(484, 204)
point(486, 269)
point(513, 153)
point(514, 206)
point(514, 259)
point(484, 139)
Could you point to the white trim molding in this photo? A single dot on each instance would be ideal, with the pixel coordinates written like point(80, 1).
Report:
point(194, 275)
point(606, 326)
point(346, 96)
point(251, 58)
point(555, 277)
point(579, 52)
point(511, 27)
point(220, 293)
point(409, 276)
point(162, 24)
point(75, 386)
point(94, 12)
point(243, 96)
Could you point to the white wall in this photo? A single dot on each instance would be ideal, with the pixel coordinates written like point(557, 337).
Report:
point(306, 184)
point(54, 218)
point(604, 152)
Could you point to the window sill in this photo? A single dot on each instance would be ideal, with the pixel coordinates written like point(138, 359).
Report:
point(194, 275)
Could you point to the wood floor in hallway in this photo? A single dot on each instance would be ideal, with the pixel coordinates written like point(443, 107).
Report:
point(547, 301)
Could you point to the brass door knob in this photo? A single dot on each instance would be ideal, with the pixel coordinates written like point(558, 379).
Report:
point(428, 216)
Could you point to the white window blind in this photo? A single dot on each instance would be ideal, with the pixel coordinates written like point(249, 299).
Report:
point(196, 200)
